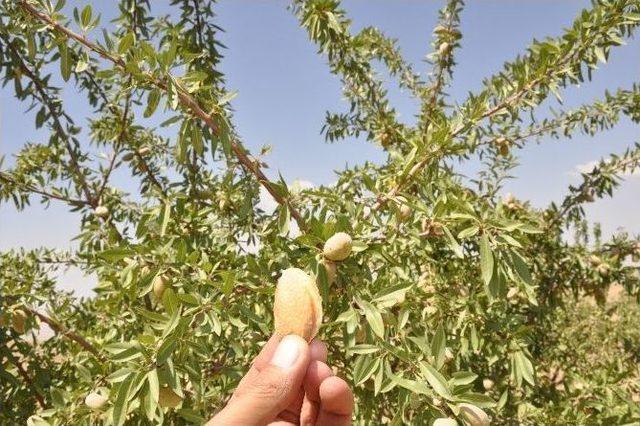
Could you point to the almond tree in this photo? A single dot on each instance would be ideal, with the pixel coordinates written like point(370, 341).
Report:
point(452, 295)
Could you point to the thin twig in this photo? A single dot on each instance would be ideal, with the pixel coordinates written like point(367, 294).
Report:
point(25, 376)
point(46, 100)
point(31, 188)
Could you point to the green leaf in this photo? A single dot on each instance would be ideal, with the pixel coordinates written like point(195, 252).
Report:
point(31, 47)
point(495, 287)
point(412, 385)
point(486, 259)
point(196, 139)
point(468, 232)
point(166, 348)
point(503, 400)
point(154, 384)
point(525, 367)
point(378, 379)
point(227, 97)
point(521, 268)
point(121, 403)
point(191, 416)
point(391, 296)
point(83, 63)
point(364, 349)
point(453, 244)
point(116, 254)
point(438, 346)
point(436, 380)
point(166, 216)
point(57, 397)
point(65, 62)
point(284, 219)
point(85, 16)
point(170, 301)
point(477, 399)
point(119, 375)
point(152, 102)
point(460, 378)
point(126, 42)
point(364, 368)
point(374, 318)
point(127, 355)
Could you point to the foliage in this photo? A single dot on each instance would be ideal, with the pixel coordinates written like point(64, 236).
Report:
point(448, 284)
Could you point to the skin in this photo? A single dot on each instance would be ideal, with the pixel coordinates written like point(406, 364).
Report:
point(308, 393)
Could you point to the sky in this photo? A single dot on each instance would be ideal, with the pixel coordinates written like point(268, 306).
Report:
point(284, 89)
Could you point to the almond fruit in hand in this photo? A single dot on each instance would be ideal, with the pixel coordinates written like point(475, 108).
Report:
point(297, 308)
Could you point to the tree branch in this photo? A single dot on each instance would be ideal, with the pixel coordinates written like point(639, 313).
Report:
point(187, 102)
point(445, 59)
point(71, 335)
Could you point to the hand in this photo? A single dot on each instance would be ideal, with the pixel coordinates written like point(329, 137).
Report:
point(289, 384)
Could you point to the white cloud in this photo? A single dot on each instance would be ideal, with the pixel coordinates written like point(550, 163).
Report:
point(589, 166)
point(301, 184)
point(268, 204)
point(75, 280)
point(584, 168)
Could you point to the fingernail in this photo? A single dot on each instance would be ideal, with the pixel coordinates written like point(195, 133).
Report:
point(287, 352)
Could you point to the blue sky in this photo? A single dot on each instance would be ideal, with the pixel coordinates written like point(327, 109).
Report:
point(284, 88)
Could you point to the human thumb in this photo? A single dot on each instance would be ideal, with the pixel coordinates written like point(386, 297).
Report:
point(271, 390)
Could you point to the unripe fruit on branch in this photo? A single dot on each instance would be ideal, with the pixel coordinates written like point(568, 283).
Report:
point(331, 269)
point(159, 286)
point(430, 310)
point(448, 355)
point(444, 48)
point(18, 321)
point(512, 294)
point(223, 199)
point(431, 228)
point(445, 421)
point(603, 269)
point(338, 247)
point(440, 29)
point(488, 384)
point(588, 195)
point(385, 138)
point(167, 398)
point(502, 144)
point(95, 400)
point(101, 211)
point(474, 416)
point(297, 307)
point(144, 271)
point(405, 212)
point(128, 156)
